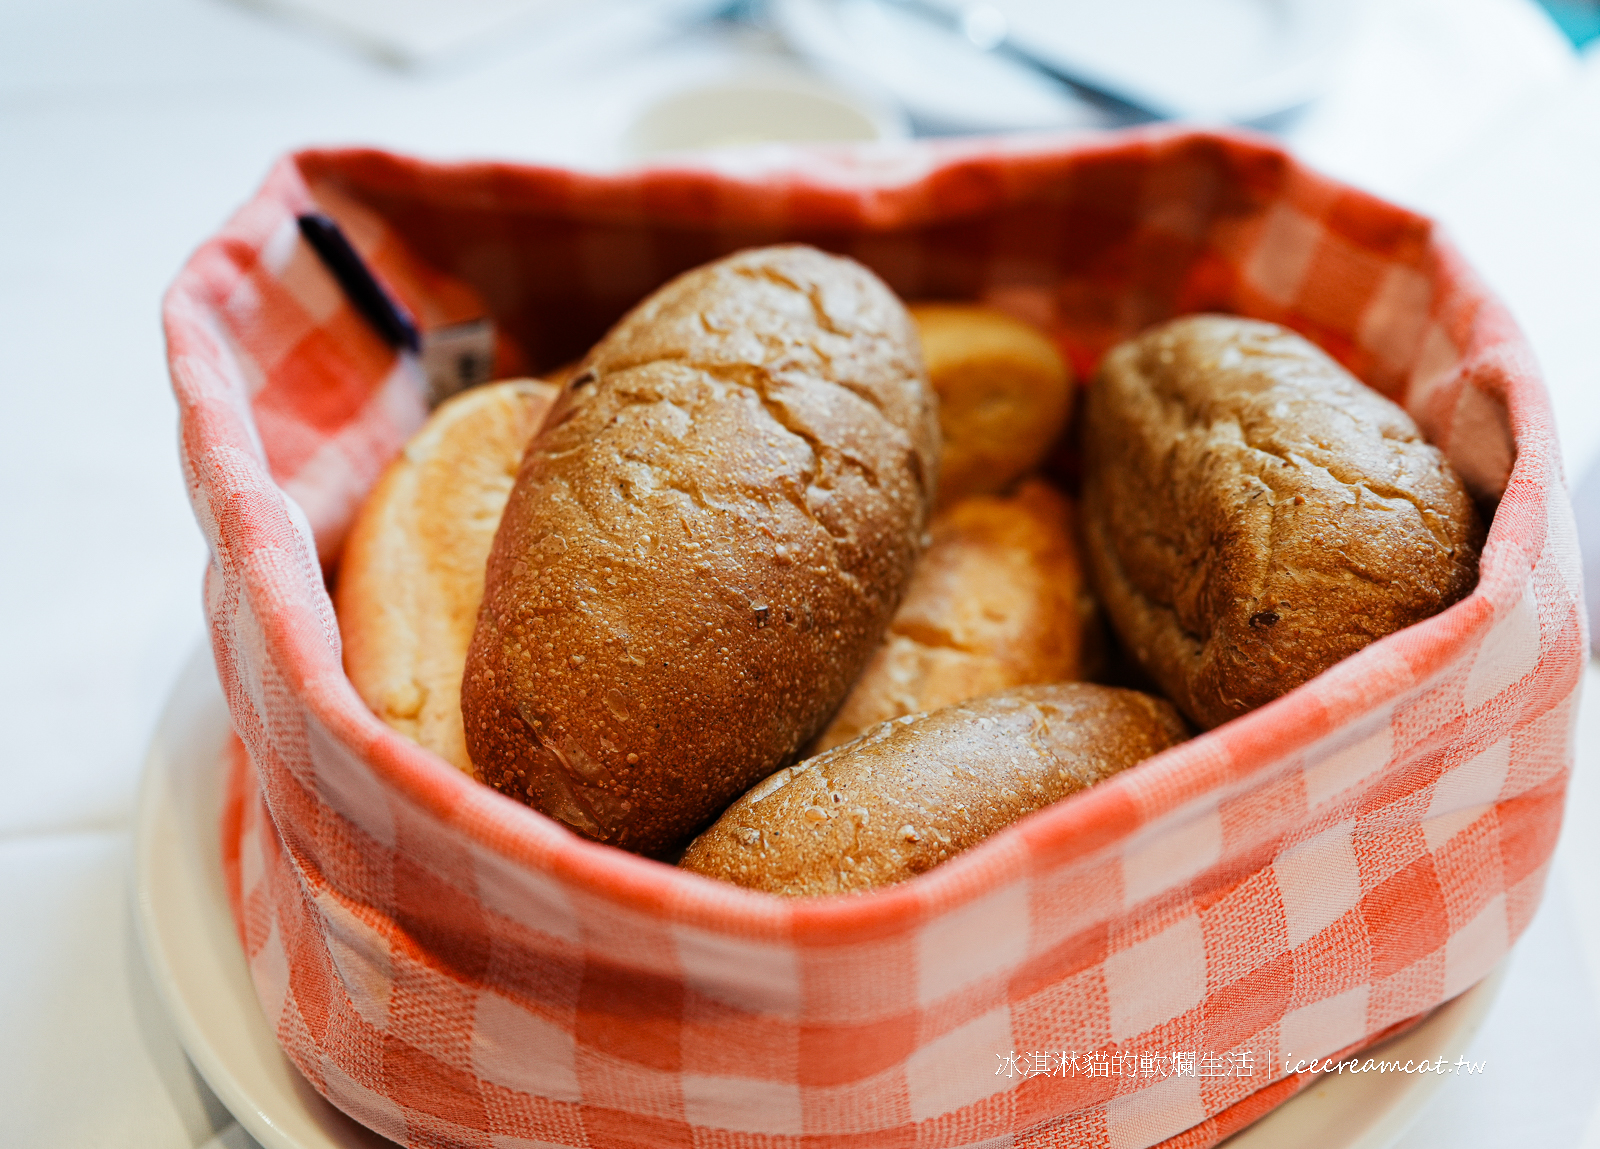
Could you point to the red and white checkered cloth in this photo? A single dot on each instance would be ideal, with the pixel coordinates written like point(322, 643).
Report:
point(451, 968)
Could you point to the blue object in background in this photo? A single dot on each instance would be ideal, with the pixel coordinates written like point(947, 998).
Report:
point(1579, 19)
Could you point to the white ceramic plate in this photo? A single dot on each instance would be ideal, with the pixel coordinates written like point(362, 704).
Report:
point(940, 80)
point(199, 969)
point(1227, 61)
point(187, 931)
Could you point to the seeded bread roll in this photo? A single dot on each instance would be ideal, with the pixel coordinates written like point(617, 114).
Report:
point(997, 601)
point(411, 574)
point(1004, 395)
point(703, 547)
point(918, 790)
point(1253, 513)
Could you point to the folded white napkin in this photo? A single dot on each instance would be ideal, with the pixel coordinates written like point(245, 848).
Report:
point(417, 32)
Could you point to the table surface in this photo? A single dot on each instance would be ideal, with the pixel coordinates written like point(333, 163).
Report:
point(130, 132)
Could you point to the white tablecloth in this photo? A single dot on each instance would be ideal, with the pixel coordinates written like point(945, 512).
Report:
point(129, 132)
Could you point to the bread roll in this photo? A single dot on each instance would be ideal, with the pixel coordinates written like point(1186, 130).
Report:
point(916, 791)
point(1253, 513)
point(1004, 396)
point(703, 547)
point(411, 575)
point(998, 600)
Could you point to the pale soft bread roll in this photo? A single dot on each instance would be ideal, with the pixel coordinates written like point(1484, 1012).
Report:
point(411, 576)
point(912, 793)
point(1004, 395)
point(997, 601)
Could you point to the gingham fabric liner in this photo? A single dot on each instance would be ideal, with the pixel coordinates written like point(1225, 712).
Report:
point(452, 969)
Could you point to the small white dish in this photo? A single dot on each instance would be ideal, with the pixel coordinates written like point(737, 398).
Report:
point(196, 962)
point(766, 107)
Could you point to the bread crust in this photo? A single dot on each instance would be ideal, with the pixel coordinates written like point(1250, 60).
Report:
point(914, 792)
point(411, 573)
point(998, 600)
point(1253, 513)
point(1005, 396)
point(703, 546)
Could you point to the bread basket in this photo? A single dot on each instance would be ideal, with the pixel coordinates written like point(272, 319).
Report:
point(1133, 967)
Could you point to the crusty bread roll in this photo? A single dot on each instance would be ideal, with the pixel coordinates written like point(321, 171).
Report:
point(703, 546)
point(998, 600)
point(412, 571)
point(1004, 395)
point(1253, 513)
point(916, 791)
